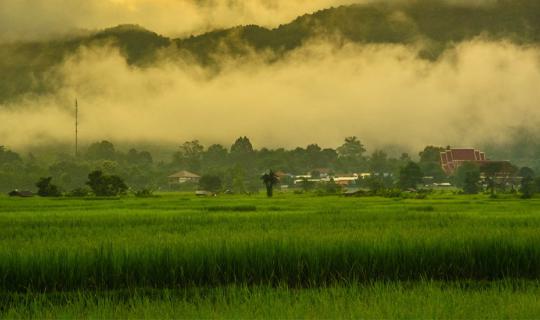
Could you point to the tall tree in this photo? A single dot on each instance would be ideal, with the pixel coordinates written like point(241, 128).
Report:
point(242, 145)
point(189, 156)
point(410, 176)
point(270, 179)
point(492, 170)
point(430, 163)
point(431, 154)
point(47, 189)
point(103, 150)
point(242, 153)
point(378, 162)
point(351, 154)
point(528, 187)
point(467, 176)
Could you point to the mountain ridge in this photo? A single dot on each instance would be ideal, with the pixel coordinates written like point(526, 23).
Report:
point(437, 24)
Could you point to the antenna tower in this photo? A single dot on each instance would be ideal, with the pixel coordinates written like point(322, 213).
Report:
point(76, 128)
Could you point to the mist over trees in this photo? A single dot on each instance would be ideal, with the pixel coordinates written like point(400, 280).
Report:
point(238, 166)
point(29, 68)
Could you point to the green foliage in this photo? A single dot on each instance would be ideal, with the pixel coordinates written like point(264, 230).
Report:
point(471, 182)
point(210, 183)
point(47, 189)
point(528, 187)
point(270, 179)
point(378, 163)
point(375, 184)
point(106, 185)
point(79, 193)
point(467, 176)
point(351, 155)
point(144, 193)
point(410, 176)
point(491, 170)
point(328, 188)
point(431, 154)
point(103, 150)
point(7, 156)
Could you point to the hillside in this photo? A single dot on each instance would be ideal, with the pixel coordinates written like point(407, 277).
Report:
point(28, 68)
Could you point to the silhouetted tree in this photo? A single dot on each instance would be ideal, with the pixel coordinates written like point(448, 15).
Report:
point(189, 156)
point(430, 162)
point(471, 182)
point(47, 189)
point(103, 150)
point(210, 183)
point(378, 162)
point(431, 154)
point(351, 153)
point(242, 154)
point(467, 177)
point(410, 176)
point(106, 185)
point(491, 170)
point(528, 187)
point(8, 156)
point(270, 179)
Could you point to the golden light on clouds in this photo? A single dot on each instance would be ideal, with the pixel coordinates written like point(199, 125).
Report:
point(318, 93)
point(38, 18)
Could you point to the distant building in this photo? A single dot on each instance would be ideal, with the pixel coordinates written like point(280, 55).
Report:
point(22, 194)
point(452, 159)
point(183, 177)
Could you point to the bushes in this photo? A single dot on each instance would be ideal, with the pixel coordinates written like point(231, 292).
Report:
point(105, 185)
point(211, 183)
point(47, 189)
point(144, 193)
point(79, 193)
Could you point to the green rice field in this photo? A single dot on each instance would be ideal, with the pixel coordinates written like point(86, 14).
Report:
point(293, 256)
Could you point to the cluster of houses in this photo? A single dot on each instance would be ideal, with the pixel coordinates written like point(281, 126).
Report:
point(450, 160)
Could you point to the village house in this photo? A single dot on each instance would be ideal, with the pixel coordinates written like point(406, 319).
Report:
point(183, 177)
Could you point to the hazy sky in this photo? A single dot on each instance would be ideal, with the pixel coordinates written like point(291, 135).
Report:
point(33, 19)
point(320, 92)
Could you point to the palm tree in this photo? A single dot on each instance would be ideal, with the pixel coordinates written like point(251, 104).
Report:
point(270, 179)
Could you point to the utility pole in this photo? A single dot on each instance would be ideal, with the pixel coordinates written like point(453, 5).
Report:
point(76, 129)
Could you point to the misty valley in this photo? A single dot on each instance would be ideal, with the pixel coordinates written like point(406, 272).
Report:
point(281, 159)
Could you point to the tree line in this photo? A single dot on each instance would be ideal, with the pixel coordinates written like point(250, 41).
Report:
point(237, 168)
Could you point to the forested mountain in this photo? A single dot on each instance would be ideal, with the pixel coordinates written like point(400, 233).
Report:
point(28, 68)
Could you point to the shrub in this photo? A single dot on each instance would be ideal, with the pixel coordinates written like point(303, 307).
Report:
point(210, 183)
point(47, 189)
point(144, 193)
point(105, 185)
point(79, 192)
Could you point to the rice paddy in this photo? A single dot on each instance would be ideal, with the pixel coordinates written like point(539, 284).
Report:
point(288, 257)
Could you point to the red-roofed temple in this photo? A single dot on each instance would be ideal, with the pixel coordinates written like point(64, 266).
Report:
point(452, 159)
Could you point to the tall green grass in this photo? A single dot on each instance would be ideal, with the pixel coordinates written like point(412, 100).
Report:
point(180, 241)
point(270, 262)
point(379, 300)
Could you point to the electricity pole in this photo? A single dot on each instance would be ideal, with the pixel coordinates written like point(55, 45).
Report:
point(76, 129)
